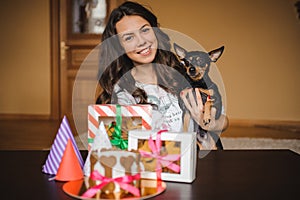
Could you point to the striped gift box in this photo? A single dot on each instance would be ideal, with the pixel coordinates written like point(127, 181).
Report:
point(95, 112)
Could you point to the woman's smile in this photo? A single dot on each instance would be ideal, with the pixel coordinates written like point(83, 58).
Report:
point(145, 52)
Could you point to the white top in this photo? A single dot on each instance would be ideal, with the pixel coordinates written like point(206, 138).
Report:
point(166, 114)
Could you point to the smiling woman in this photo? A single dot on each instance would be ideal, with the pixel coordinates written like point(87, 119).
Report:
point(137, 66)
point(133, 41)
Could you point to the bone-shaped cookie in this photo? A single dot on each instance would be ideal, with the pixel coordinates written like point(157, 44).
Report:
point(108, 163)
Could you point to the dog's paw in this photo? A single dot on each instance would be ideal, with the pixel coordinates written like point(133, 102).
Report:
point(207, 115)
point(205, 141)
point(206, 121)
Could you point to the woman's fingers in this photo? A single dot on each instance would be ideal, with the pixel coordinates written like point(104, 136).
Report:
point(199, 99)
point(192, 99)
point(192, 104)
point(213, 112)
point(183, 95)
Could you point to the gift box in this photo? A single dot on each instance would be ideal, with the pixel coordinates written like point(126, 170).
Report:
point(115, 175)
point(166, 155)
point(130, 117)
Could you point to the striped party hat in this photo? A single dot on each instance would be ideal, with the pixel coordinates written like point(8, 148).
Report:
point(58, 147)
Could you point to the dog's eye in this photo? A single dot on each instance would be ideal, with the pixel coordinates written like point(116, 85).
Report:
point(186, 63)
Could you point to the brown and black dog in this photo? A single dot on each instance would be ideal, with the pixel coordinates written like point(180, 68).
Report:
point(197, 65)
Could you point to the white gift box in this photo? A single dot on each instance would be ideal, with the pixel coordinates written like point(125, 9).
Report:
point(180, 143)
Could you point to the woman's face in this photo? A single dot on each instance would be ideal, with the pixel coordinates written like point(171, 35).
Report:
point(138, 39)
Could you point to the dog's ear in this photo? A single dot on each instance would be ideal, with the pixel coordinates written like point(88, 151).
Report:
point(181, 52)
point(216, 54)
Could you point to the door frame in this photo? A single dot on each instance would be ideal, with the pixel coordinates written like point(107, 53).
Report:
point(55, 111)
point(56, 32)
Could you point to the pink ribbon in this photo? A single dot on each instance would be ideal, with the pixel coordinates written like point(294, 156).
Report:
point(165, 161)
point(123, 182)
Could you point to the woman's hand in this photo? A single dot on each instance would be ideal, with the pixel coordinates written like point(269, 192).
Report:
point(196, 109)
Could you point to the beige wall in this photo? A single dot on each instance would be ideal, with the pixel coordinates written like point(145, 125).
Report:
point(260, 65)
point(25, 57)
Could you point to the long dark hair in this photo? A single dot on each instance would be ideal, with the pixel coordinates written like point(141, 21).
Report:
point(114, 63)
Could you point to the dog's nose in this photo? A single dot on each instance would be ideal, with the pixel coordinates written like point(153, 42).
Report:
point(192, 70)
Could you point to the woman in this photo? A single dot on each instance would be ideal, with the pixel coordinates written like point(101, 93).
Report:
point(137, 67)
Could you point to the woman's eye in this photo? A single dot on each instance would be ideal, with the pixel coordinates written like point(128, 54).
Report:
point(128, 38)
point(145, 30)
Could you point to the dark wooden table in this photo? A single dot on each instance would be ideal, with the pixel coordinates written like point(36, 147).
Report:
point(238, 174)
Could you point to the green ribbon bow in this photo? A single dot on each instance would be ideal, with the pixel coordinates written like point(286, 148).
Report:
point(117, 140)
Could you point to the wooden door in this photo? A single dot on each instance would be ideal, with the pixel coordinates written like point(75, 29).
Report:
point(81, 24)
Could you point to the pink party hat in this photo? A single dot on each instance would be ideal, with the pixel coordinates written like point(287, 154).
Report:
point(58, 147)
point(69, 168)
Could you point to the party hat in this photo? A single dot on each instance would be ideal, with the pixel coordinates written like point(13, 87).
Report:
point(58, 147)
point(101, 141)
point(73, 187)
point(69, 168)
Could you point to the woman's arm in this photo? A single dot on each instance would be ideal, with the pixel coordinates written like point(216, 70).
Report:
point(195, 107)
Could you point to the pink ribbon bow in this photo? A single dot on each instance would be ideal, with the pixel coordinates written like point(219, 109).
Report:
point(123, 182)
point(165, 161)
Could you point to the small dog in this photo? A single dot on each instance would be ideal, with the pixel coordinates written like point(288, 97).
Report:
point(197, 65)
